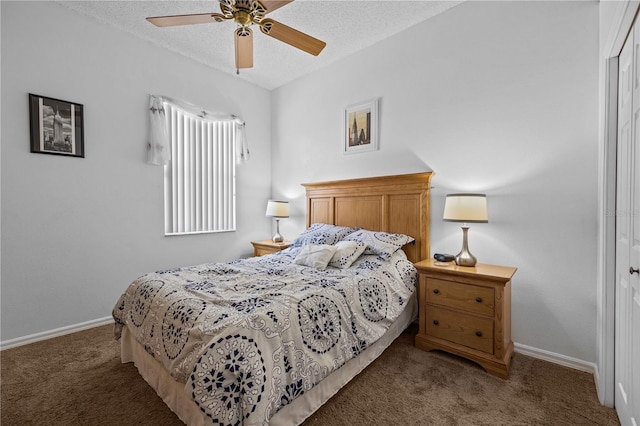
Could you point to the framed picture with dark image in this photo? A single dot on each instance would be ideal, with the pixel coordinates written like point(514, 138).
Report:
point(361, 127)
point(57, 126)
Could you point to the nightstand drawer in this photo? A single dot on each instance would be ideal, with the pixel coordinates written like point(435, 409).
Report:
point(468, 330)
point(261, 251)
point(470, 298)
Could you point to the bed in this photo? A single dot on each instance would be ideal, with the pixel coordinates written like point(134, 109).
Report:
point(268, 340)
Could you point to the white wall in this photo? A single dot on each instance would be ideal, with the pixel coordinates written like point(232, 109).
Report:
point(75, 232)
point(495, 97)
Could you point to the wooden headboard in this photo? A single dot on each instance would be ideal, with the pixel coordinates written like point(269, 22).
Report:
point(396, 204)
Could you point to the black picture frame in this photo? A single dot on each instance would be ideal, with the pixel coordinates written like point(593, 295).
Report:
point(57, 126)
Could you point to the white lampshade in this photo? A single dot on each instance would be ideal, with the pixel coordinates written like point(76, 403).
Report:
point(466, 208)
point(277, 208)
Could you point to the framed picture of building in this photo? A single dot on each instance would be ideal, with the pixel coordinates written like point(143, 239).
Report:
point(57, 127)
point(361, 127)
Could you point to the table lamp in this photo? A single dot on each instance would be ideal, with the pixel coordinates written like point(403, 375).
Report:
point(277, 209)
point(465, 208)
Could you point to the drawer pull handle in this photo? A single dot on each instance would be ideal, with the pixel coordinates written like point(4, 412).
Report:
point(479, 299)
point(479, 333)
point(436, 291)
point(436, 322)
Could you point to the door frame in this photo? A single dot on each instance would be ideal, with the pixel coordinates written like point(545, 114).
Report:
point(611, 45)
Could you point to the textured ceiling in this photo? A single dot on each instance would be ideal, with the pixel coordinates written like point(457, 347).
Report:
point(346, 27)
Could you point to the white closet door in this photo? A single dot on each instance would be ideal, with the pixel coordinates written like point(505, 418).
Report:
point(633, 181)
point(627, 340)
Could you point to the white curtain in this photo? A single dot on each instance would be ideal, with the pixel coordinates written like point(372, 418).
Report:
point(242, 148)
point(159, 141)
point(159, 147)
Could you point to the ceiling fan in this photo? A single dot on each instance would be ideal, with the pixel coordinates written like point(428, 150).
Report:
point(246, 13)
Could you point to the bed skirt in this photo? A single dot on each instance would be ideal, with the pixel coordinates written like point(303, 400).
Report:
point(177, 399)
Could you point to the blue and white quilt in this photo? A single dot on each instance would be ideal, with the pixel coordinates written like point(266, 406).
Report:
point(249, 336)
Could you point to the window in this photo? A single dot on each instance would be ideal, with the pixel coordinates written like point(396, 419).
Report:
point(199, 180)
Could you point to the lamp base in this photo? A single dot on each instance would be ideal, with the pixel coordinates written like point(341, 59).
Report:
point(465, 258)
point(277, 238)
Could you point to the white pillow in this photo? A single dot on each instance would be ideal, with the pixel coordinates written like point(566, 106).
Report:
point(316, 256)
point(346, 253)
point(322, 233)
point(382, 244)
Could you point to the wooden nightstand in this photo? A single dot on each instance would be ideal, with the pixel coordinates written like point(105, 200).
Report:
point(467, 311)
point(260, 248)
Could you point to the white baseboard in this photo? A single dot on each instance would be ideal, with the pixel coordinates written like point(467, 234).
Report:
point(555, 358)
point(32, 338)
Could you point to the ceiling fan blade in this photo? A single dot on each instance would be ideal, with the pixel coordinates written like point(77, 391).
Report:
point(292, 36)
point(200, 18)
point(244, 48)
point(272, 5)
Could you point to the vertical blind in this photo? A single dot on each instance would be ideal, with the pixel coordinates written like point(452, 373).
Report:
point(199, 180)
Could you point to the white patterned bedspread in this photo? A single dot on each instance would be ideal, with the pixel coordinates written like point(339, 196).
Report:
point(249, 336)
